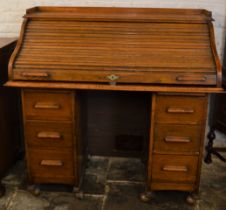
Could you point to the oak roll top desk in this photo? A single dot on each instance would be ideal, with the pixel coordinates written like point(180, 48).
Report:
point(168, 53)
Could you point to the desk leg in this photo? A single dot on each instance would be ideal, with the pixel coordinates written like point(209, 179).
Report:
point(2, 190)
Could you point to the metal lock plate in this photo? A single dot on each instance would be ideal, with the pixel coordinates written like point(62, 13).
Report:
point(113, 77)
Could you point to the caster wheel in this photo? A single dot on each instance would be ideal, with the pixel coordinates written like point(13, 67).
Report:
point(146, 197)
point(34, 190)
point(2, 190)
point(190, 200)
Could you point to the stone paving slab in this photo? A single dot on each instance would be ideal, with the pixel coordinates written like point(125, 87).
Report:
point(113, 184)
point(126, 169)
point(23, 200)
point(68, 201)
point(95, 176)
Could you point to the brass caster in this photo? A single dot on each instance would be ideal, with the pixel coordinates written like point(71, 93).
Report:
point(79, 195)
point(34, 190)
point(190, 199)
point(2, 190)
point(146, 197)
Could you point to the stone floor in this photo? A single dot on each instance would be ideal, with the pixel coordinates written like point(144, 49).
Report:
point(113, 184)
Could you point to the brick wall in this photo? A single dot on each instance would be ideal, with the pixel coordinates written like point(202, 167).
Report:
point(11, 11)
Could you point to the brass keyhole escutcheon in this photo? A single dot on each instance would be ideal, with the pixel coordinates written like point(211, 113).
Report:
point(113, 77)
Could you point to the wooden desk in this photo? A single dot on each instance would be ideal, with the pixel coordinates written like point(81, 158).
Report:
point(9, 120)
point(168, 53)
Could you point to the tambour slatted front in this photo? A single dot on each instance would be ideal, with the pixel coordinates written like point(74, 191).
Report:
point(148, 46)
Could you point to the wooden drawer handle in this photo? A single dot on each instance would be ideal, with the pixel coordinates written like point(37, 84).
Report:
point(180, 110)
point(175, 168)
point(46, 105)
point(177, 139)
point(191, 78)
point(51, 163)
point(35, 74)
point(49, 135)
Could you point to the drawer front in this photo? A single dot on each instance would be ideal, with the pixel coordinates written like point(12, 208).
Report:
point(169, 77)
point(50, 163)
point(177, 138)
point(48, 105)
point(174, 168)
point(51, 134)
point(180, 109)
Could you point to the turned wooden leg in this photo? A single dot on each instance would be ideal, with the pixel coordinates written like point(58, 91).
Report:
point(2, 190)
point(33, 189)
point(209, 147)
point(146, 196)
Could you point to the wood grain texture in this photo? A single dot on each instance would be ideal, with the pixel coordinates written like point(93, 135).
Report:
point(151, 46)
point(117, 87)
point(177, 138)
point(176, 141)
point(48, 105)
point(52, 136)
point(180, 109)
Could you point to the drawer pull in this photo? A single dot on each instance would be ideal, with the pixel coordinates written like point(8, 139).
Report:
point(51, 163)
point(177, 139)
point(46, 105)
point(35, 74)
point(191, 78)
point(180, 110)
point(175, 168)
point(49, 135)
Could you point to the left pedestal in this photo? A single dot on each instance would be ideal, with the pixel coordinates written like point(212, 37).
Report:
point(53, 147)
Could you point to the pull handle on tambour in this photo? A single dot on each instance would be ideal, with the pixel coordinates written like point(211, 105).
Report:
point(191, 78)
point(46, 105)
point(177, 139)
point(35, 74)
point(49, 135)
point(51, 163)
point(172, 168)
point(180, 110)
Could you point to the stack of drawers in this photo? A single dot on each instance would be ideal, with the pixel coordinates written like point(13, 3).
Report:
point(176, 141)
point(50, 126)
